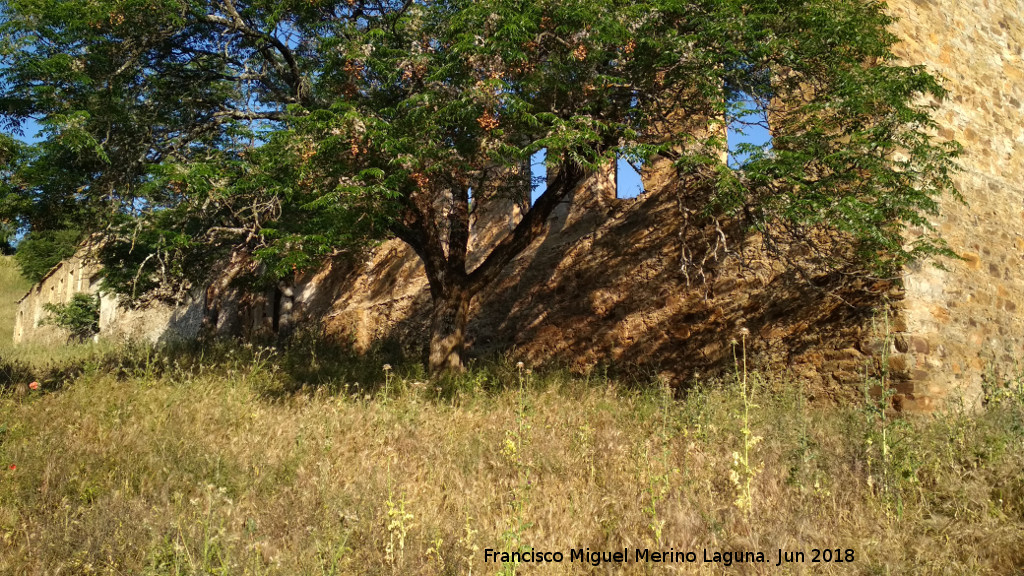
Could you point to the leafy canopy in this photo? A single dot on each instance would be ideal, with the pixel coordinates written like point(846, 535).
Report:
point(40, 250)
point(185, 129)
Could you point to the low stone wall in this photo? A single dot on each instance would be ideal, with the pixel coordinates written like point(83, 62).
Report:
point(154, 323)
point(66, 279)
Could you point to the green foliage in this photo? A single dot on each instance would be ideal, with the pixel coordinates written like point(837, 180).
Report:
point(290, 131)
point(39, 251)
point(12, 153)
point(80, 317)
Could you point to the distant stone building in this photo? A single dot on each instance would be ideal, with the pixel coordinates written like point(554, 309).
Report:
point(57, 287)
point(153, 323)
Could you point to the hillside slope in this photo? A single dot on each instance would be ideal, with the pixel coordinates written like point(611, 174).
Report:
point(12, 287)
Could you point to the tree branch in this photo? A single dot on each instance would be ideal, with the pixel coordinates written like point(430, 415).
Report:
point(250, 115)
point(236, 22)
point(530, 228)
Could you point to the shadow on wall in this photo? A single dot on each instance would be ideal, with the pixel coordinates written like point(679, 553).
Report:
point(584, 300)
point(607, 286)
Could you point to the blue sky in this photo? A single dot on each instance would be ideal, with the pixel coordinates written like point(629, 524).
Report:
point(31, 130)
point(748, 130)
point(627, 179)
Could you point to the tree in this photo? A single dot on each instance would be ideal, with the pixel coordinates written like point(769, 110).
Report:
point(80, 316)
point(40, 250)
point(292, 129)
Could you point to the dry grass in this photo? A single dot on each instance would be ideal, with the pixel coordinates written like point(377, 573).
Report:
point(236, 464)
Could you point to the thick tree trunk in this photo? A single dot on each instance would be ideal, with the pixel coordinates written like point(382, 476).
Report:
point(452, 287)
point(448, 329)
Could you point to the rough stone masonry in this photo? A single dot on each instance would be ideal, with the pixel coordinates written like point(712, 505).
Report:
point(959, 324)
point(583, 301)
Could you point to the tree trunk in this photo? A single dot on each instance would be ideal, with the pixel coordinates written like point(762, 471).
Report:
point(451, 287)
point(448, 329)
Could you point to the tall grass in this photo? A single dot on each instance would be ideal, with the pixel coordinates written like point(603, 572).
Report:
point(242, 460)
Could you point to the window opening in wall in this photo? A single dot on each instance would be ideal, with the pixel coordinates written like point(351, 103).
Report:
point(277, 309)
point(748, 131)
point(628, 181)
point(538, 174)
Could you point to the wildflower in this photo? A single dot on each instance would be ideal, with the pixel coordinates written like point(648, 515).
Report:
point(520, 365)
point(12, 467)
point(387, 367)
point(744, 332)
point(34, 386)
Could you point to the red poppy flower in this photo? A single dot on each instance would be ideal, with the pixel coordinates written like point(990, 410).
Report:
point(12, 467)
point(34, 385)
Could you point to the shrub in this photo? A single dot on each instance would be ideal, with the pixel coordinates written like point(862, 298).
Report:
point(80, 317)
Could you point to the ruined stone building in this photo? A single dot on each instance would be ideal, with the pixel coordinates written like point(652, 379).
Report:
point(57, 287)
point(957, 324)
point(155, 323)
point(606, 285)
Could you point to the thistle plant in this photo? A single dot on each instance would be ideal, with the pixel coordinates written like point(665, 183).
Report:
point(660, 482)
point(743, 471)
point(891, 463)
point(388, 378)
point(513, 450)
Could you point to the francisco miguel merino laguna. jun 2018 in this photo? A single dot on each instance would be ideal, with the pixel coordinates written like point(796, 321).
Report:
point(645, 555)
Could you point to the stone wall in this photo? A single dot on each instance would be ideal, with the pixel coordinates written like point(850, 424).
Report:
point(153, 323)
point(611, 284)
point(968, 320)
point(57, 287)
point(578, 299)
